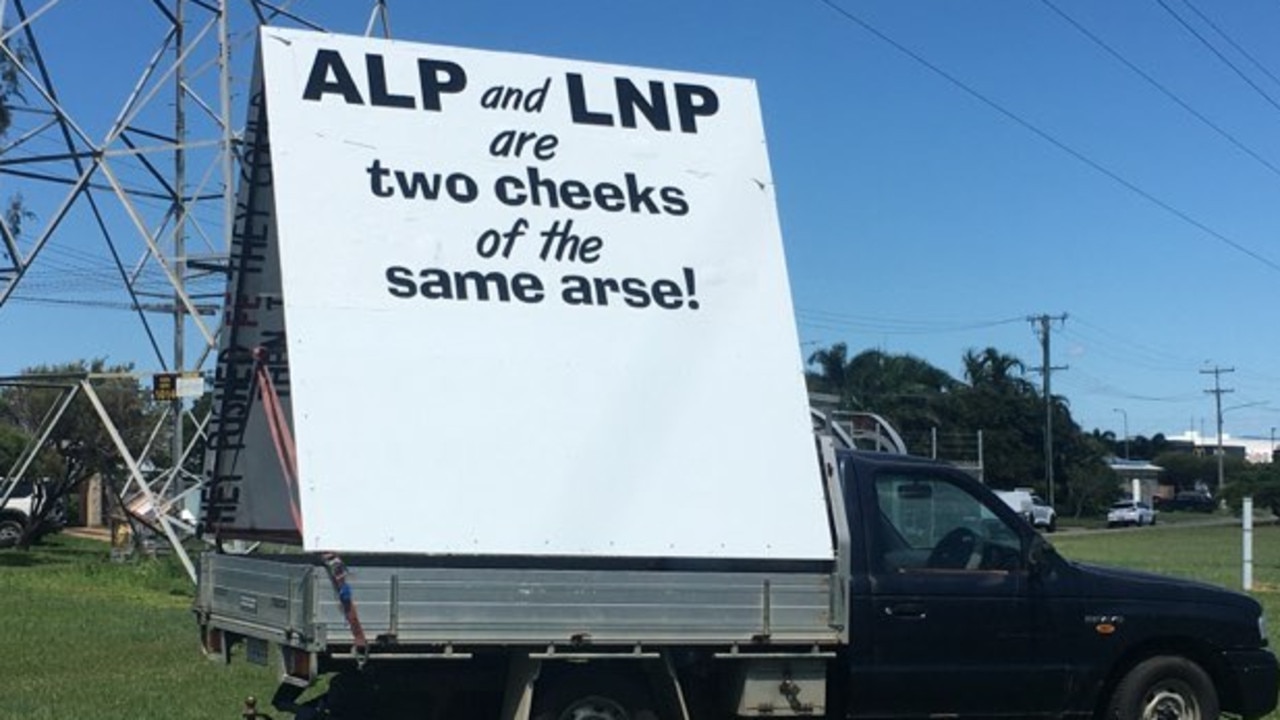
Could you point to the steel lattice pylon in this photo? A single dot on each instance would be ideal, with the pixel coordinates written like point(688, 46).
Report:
point(132, 209)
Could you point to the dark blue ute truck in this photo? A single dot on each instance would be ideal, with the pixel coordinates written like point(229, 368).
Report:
point(938, 601)
point(960, 608)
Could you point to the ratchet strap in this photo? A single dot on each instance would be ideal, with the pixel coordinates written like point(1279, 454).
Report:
point(338, 576)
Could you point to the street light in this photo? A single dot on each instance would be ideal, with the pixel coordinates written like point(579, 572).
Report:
point(1223, 411)
point(1126, 430)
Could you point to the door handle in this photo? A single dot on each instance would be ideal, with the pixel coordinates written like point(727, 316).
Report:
point(906, 611)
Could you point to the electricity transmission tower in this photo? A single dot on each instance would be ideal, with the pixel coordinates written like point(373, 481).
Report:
point(127, 203)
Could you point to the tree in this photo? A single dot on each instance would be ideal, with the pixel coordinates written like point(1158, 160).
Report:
point(830, 376)
point(993, 370)
point(1261, 482)
point(1005, 407)
point(907, 391)
point(1184, 470)
point(916, 397)
point(79, 445)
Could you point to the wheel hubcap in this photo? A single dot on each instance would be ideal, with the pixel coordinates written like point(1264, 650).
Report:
point(1167, 704)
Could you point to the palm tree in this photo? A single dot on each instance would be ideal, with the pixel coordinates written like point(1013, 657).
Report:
point(993, 370)
point(832, 371)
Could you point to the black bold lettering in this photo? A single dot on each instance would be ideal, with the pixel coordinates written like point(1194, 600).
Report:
point(376, 175)
point(692, 101)
point(604, 286)
point(610, 197)
point(413, 184)
point(318, 83)
point(667, 294)
point(435, 284)
point(638, 197)
point(578, 111)
point(575, 195)
point(481, 282)
point(401, 282)
point(538, 186)
point(378, 94)
point(635, 293)
point(527, 288)
point(439, 76)
point(673, 201)
point(510, 191)
point(654, 107)
point(462, 188)
point(577, 290)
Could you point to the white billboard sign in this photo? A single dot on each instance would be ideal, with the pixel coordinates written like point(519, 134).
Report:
point(533, 305)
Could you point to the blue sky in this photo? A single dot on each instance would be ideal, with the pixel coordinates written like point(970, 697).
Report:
point(926, 208)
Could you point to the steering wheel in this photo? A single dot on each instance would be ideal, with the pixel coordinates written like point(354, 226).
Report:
point(959, 549)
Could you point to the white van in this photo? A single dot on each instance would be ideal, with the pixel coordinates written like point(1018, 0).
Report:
point(1021, 502)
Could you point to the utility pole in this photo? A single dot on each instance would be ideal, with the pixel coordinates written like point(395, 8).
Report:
point(1217, 391)
point(1042, 325)
point(1126, 430)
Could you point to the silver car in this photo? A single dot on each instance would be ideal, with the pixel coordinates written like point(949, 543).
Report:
point(1128, 512)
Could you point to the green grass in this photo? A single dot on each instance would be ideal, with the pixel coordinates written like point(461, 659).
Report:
point(83, 637)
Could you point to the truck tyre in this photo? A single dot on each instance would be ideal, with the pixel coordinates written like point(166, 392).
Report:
point(1053, 524)
point(10, 532)
point(592, 696)
point(1164, 687)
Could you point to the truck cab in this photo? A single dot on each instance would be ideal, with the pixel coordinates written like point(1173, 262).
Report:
point(960, 608)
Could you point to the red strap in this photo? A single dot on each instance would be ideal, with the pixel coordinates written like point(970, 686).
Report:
point(281, 436)
point(338, 576)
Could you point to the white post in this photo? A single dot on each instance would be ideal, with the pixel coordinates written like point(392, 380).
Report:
point(1247, 511)
point(1137, 489)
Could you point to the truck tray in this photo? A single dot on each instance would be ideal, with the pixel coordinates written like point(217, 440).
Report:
point(290, 599)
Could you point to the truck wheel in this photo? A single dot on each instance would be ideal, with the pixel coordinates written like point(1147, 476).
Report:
point(1053, 524)
point(592, 697)
point(10, 531)
point(1164, 688)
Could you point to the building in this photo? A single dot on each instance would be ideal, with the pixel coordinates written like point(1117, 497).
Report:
point(1254, 450)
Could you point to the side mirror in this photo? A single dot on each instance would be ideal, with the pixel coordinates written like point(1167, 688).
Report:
point(1038, 552)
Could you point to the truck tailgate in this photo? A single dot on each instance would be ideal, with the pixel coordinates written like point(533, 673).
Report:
point(290, 599)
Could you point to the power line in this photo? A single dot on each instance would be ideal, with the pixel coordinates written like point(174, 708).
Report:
point(828, 319)
point(1044, 135)
point(1164, 90)
point(1261, 68)
point(1205, 41)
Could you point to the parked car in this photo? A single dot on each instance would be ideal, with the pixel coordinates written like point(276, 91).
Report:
point(1031, 507)
point(1043, 516)
point(1191, 500)
point(1019, 501)
point(18, 508)
point(1128, 512)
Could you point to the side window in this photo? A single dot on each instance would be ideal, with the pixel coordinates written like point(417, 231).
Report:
point(928, 523)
